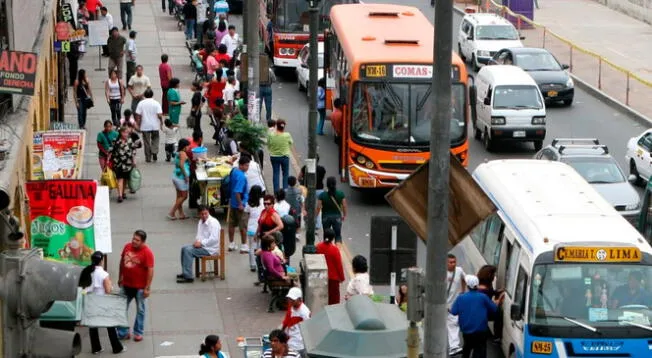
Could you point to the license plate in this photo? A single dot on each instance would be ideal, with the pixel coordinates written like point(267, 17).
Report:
point(368, 182)
point(539, 347)
point(552, 93)
point(519, 134)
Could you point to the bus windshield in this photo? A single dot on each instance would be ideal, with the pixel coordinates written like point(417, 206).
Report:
point(587, 300)
point(294, 15)
point(399, 113)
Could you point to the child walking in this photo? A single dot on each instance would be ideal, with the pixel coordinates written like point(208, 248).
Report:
point(254, 208)
point(171, 131)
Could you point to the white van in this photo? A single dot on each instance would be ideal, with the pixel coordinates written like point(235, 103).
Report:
point(482, 35)
point(507, 105)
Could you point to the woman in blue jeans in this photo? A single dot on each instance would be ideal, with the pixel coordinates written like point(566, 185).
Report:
point(321, 105)
point(279, 145)
point(332, 205)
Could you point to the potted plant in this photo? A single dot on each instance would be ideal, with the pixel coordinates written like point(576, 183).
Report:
point(250, 135)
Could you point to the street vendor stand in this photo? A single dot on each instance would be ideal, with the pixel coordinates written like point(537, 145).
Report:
point(210, 175)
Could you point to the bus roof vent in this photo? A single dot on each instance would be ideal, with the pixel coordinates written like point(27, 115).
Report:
point(369, 38)
point(401, 42)
point(407, 13)
point(382, 14)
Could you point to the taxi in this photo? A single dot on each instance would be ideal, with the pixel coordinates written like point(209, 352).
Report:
point(639, 156)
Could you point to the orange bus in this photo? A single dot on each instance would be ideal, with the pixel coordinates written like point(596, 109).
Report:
point(379, 58)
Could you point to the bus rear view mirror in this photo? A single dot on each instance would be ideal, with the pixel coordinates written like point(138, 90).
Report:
point(515, 312)
point(472, 95)
point(487, 101)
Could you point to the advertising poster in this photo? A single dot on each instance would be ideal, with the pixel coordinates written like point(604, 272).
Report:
point(18, 72)
point(213, 195)
point(62, 216)
point(57, 154)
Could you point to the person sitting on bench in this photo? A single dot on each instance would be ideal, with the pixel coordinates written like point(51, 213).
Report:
point(206, 243)
point(271, 262)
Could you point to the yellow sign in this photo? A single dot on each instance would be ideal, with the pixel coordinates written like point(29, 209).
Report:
point(597, 254)
point(540, 347)
point(376, 71)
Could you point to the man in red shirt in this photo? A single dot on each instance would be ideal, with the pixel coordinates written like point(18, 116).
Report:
point(135, 279)
point(165, 74)
point(93, 7)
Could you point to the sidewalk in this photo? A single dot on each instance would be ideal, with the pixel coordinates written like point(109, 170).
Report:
point(179, 316)
point(622, 40)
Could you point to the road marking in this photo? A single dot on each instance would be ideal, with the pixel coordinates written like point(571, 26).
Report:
point(617, 52)
point(346, 253)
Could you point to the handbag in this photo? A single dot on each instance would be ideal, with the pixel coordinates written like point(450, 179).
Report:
point(108, 310)
point(190, 121)
point(88, 101)
point(108, 178)
point(135, 179)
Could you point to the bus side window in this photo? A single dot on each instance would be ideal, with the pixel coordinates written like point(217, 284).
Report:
point(493, 241)
point(521, 286)
point(512, 266)
point(477, 235)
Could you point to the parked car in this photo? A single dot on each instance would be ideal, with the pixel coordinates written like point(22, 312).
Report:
point(303, 68)
point(481, 35)
point(594, 163)
point(555, 83)
point(639, 156)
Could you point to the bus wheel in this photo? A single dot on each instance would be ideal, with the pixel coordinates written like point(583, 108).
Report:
point(488, 143)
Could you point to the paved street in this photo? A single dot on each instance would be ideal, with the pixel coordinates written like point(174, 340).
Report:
point(179, 316)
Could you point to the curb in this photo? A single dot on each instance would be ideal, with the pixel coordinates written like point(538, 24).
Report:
point(595, 92)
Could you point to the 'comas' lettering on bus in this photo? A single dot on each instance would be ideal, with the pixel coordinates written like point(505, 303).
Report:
point(570, 253)
point(18, 62)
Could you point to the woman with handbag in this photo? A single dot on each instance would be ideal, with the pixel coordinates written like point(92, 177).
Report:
point(83, 97)
point(123, 158)
point(105, 140)
point(96, 281)
point(332, 205)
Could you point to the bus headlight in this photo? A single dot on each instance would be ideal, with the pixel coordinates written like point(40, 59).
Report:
point(497, 120)
point(539, 120)
point(362, 160)
point(634, 206)
point(291, 52)
point(283, 51)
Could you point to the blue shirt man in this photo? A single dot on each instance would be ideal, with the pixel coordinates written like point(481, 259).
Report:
point(237, 202)
point(473, 309)
point(221, 7)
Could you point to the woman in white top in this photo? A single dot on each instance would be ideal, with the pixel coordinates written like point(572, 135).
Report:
point(359, 284)
point(282, 207)
point(254, 173)
point(254, 208)
point(95, 281)
point(114, 90)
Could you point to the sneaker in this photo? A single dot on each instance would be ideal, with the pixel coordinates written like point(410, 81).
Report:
point(231, 246)
point(99, 352)
point(124, 349)
point(154, 157)
point(455, 351)
point(138, 338)
point(244, 249)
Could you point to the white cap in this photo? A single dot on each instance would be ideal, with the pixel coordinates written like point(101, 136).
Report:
point(471, 281)
point(295, 293)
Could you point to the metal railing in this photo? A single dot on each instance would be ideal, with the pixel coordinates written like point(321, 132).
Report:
point(616, 81)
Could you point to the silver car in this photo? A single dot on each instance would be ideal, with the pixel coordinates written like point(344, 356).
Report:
point(594, 163)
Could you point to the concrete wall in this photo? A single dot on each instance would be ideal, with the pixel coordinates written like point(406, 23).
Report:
point(638, 9)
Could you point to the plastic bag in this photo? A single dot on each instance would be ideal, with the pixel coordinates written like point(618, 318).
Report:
point(135, 179)
point(104, 311)
point(108, 178)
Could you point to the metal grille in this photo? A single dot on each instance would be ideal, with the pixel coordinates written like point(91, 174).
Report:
point(400, 166)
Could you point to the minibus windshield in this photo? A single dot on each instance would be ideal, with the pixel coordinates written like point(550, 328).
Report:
point(591, 299)
point(517, 97)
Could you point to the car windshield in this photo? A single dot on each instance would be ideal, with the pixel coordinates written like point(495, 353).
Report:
point(598, 296)
point(597, 170)
point(394, 113)
point(537, 61)
point(294, 15)
point(496, 32)
point(517, 97)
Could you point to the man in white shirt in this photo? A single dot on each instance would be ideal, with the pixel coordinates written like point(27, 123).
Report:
point(231, 40)
point(108, 18)
point(137, 85)
point(207, 243)
point(299, 312)
point(455, 285)
point(149, 115)
point(229, 92)
point(254, 174)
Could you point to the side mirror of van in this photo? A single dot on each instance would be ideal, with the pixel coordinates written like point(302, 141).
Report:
point(565, 67)
point(469, 37)
point(515, 312)
point(472, 95)
point(487, 101)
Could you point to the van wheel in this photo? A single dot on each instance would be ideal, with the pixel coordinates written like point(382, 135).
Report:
point(568, 102)
point(474, 64)
point(477, 133)
point(459, 52)
point(634, 171)
point(538, 144)
point(488, 143)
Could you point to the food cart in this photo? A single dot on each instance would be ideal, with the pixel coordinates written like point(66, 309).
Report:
point(210, 173)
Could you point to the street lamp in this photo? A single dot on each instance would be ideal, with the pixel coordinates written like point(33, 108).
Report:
point(311, 162)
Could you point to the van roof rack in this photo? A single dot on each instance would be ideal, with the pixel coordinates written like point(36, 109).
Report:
point(556, 141)
point(563, 147)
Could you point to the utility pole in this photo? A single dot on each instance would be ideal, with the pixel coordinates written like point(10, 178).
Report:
point(435, 333)
point(311, 162)
point(253, 59)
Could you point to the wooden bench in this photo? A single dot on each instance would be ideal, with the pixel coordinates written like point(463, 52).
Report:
point(219, 263)
point(278, 289)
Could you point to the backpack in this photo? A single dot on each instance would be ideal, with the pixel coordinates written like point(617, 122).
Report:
point(225, 189)
point(225, 146)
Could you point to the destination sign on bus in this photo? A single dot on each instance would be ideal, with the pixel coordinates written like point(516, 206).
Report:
point(404, 71)
point(597, 254)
